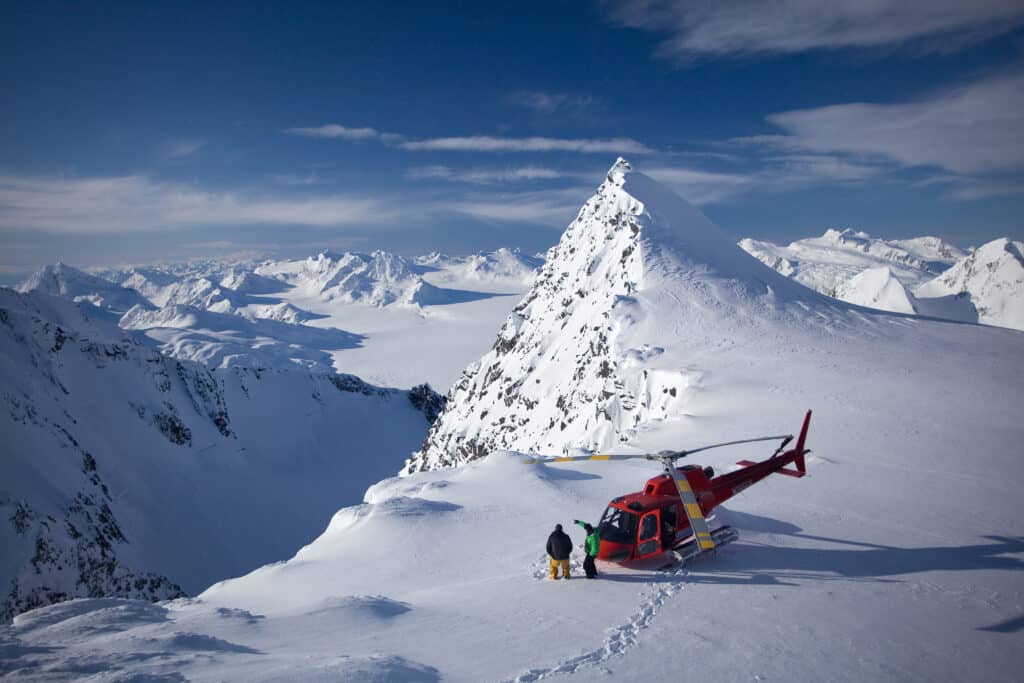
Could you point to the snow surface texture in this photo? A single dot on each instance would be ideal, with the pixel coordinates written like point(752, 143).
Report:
point(898, 558)
point(369, 314)
point(128, 473)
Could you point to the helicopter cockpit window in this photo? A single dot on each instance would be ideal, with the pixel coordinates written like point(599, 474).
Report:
point(617, 526)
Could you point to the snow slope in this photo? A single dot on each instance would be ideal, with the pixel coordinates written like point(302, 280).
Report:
point(128, 473)
point(898, 558)
point(993, 278)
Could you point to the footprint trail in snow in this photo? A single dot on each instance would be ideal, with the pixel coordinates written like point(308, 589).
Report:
point(620, 638)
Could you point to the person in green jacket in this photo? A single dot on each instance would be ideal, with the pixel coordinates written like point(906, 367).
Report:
point(592, 545)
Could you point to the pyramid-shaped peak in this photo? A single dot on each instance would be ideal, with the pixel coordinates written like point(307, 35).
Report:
point(576, 365)
point(617, 173)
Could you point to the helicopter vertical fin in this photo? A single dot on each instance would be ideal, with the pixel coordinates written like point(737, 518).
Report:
point(798, 460)
point(698, 525)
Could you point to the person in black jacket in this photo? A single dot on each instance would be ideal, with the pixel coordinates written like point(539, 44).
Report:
point(559, 549)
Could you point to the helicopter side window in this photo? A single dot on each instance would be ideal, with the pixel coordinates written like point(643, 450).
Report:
point(617, 526)
point(649, 529)
point(648, 543)
point(668, 526)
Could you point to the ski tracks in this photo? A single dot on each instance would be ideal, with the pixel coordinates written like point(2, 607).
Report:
point(620, 638)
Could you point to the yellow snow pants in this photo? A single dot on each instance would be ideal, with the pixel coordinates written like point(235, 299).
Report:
point(555, 564)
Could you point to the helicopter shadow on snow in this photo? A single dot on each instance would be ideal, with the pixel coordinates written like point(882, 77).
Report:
point(562, 474)
point(756, 562)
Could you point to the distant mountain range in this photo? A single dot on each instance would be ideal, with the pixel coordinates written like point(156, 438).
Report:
point(256, 314)
point(922, 276)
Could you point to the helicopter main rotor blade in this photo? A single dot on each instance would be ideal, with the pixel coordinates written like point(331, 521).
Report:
point(698, 524)
point(537, 459)
point(683, 454)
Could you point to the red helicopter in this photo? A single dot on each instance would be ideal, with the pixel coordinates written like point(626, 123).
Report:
point(669, 515)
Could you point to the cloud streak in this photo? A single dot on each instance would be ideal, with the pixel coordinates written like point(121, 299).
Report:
point(550, 207)
point(476, 143)
point(139, 204)
point(487, 143)
point(335, 130)
point(179, 149)
point(549, 103)
point(971, 129)
point(485, 176)
point(749, 27)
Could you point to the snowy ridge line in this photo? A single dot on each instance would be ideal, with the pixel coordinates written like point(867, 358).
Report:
point(620, 638)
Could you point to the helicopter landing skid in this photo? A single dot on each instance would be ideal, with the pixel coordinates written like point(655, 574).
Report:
point(687, 551)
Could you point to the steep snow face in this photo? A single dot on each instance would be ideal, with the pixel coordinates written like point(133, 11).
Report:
point(576, 364)
point(877, 288)
point(128, 473)
point(827, 263)
point(63, 280)
point(993, 276)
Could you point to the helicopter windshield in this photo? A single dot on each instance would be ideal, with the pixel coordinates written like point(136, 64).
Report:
point(617, 526)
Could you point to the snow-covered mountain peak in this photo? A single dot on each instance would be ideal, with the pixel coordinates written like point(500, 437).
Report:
point(578, 362)
point(378, 279)
point(993, 276)
point(844, 236)
point(62, 280)
point(617, 173)
point(877, 288)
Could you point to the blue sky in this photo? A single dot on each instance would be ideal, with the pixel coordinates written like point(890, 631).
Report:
point(138, 132)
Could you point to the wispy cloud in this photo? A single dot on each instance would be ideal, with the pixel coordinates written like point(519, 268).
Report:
point(551, 207)
point(701, 187)
point(487, 143)
point(967, 188)
point(550, 102)
point(970, 129)
point(294, 179)
point(750, 27)
point(485, 176)
point(478, 143)
point(139, 204)
point(335, 130)
point(773, 173)
point(179, 149)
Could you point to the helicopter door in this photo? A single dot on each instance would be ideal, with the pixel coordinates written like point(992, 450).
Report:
point(648, 541)
point(668, 527)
